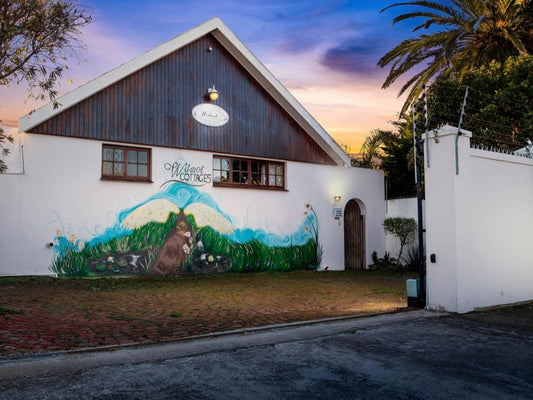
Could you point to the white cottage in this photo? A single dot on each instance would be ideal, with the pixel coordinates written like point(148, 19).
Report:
point(190, 158)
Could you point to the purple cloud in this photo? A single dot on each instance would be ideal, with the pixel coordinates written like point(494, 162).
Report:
point(353, 56)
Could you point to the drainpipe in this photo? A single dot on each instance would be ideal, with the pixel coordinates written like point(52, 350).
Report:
point(419, 153)
point(421, 230)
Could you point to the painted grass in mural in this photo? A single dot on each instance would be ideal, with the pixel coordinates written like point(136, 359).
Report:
point(181, 230)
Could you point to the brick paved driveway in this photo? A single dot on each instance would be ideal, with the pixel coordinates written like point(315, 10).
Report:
point(40, 315)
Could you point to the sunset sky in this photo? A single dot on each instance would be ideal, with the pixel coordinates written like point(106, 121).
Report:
point(324, 52)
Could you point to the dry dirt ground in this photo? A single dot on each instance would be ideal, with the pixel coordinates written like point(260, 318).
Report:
point(43, 315)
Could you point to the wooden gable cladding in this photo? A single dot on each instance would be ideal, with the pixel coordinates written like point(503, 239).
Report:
point(153, 107)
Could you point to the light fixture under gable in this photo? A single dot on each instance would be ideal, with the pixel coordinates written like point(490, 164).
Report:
point(213, 93)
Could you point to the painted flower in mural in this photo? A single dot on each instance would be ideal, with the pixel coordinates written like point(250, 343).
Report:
point(312, 228)
point(190, 235)
point(156, 210)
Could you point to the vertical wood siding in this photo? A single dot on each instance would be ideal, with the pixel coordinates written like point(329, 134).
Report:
point(153, 107)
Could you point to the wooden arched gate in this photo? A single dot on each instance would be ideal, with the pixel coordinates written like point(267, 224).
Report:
point(354, 236)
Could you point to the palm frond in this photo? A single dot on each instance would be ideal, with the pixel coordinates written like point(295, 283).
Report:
point(474, 32)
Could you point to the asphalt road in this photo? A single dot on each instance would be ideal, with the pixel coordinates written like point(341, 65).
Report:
point(411, 355)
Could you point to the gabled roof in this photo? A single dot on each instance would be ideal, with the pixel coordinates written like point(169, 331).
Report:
point(235, 47)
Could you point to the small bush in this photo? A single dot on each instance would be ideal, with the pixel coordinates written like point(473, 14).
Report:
point(410, 260)
point(403, 228)
point(385, 263)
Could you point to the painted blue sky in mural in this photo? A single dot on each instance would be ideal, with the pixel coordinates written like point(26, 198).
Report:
point(182, 196)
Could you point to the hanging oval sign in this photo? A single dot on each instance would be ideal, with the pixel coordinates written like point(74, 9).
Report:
point(210, 114)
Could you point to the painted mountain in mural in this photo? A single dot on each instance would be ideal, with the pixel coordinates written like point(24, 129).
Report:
point(182, 230)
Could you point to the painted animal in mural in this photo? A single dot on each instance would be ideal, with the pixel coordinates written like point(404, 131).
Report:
point(177, 247)
point(181, 230)
point(180, 240)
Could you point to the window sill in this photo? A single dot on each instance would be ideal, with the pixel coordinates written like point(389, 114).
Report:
point(109, 178)
point(258, 187)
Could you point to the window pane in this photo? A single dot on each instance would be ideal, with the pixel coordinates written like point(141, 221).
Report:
point(143, 157)
point(119, 155)
point(225, 176)
point(248, 172)
point(132, 156)
point(118, 169)
point(125, 162)
point(108, 154)
point(225, 164)
point(240, 165)
point(107, 168)
point(143, 171)
point(132, 169)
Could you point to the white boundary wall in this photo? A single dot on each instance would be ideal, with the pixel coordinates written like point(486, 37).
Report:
point(479, 226)
point(57, 185)
point(401, 208)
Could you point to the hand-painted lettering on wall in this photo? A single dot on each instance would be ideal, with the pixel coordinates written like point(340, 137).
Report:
point(184, 172)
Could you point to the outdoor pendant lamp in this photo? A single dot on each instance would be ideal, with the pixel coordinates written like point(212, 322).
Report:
point(212, 93)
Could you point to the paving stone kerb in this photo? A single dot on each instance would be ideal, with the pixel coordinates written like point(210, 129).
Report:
point(43, 315)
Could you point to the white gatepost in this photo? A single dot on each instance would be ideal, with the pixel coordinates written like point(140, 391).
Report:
point(479, 225)
point(446, 211)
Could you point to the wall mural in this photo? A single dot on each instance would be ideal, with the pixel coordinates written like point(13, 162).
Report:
point(181, 230)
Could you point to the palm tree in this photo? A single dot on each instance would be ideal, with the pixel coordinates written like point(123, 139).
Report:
point(371, 151)
point(475, 33)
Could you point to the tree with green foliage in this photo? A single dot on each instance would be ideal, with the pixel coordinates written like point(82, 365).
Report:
point(371, 151)
point(403, 228)
point(392, 152)
point(37, 37)
point(499, 107)
point(398, 164)
point(458, 36)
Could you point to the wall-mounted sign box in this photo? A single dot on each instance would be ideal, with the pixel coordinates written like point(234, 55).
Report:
point(210, 115)
point(337, 213)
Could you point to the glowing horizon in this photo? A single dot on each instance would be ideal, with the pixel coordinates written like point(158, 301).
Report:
point(333, 75)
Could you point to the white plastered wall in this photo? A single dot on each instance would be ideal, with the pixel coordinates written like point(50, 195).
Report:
point(61, 189)
point(401, 208)
point(479, 226)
